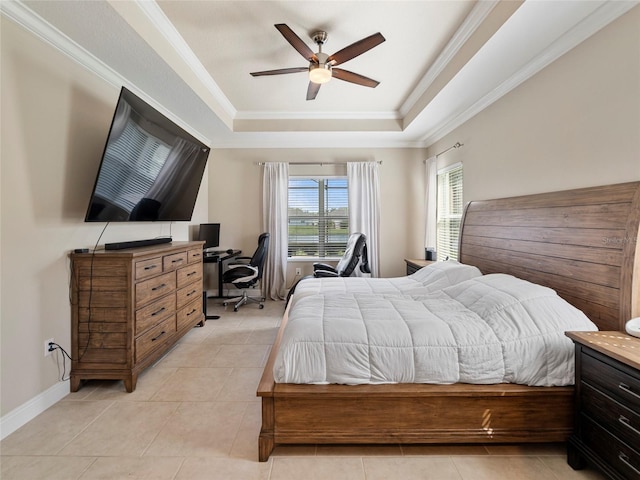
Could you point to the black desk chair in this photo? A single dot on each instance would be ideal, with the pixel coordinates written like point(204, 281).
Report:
point(246, 272)
point(354, 253)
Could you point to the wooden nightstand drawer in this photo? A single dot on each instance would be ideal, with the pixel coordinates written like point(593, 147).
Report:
point(189, 274)
point(154, 288)
point(616, 418)
point(611, 379)
point(154, 337)
point(148, 268)
point(152, 314)
point(171, 262)
point(624, 460)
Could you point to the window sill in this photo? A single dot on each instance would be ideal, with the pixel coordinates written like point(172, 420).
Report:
point(312, 259)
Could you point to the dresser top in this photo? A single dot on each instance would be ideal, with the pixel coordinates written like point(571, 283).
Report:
point(618, 345)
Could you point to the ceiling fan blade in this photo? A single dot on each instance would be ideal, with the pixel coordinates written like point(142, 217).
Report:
point(296, 42)
point(355, 49)
point(312, 90)
point(348, 76)
point(280, 71)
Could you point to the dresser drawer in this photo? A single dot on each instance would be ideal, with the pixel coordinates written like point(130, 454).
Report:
point(189, 315)
point(153, 288)
point(612, 380)
point(189, 274)
point(153, 313)
point(187, 294)
point(154, 337)
point(171, 262)
point(618, 455)
point(616, 418)
point(147, 268)
point(194, 255)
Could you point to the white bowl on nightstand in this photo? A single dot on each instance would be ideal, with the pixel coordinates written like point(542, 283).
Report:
point(633, 327)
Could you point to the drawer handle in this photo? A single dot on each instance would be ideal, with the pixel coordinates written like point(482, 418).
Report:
point(191, 312)
point(177, 261)
point(625, 421)
point(625, 459)
point(626, 388)
point(151, 267)
point(161, 333)
point(196, 254)
point(158, 312)
point(191, 293)
point(158, 287)
point(192, 273)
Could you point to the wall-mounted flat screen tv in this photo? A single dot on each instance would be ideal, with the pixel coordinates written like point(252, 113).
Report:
point(151, 168)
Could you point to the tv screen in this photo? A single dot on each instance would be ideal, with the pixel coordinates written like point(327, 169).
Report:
point(151, 168)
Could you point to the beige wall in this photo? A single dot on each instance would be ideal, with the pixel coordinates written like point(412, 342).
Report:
point(574, 124)
point(235, 197)
point(55, 119)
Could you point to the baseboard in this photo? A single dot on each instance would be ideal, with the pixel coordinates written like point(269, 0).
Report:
point(21, 415)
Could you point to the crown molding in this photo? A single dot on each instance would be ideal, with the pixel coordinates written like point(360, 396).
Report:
point(255, 115)
point(600, 18)
point(22, 15)
point(161, 22)
point(471, 23)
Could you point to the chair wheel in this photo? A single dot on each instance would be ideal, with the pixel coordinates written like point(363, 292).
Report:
point(261, 306)
point(235, 309)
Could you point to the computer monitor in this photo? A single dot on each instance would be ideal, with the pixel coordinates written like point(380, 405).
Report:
point(210, 233)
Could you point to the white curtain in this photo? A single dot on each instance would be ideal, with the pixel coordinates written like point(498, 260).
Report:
point(431, 199)
point(364, 208)
point(275, 190)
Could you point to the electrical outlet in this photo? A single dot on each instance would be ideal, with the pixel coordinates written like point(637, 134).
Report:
point(48, 352)
point(298, 272)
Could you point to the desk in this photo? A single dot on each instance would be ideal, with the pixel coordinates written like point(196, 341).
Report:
point(218, 258)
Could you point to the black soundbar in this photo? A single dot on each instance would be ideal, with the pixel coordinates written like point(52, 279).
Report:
point(137, 243)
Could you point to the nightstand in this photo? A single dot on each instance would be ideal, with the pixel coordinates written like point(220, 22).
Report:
point(414, 265)
point(607, 421)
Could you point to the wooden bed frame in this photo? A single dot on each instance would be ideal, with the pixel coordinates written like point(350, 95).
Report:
point(582, 243)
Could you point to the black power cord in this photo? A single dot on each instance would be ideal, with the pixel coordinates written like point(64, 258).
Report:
point(52, 348)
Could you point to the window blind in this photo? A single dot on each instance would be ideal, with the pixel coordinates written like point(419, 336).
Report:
point(130, 167)
point(318, 217)
point(449, 214)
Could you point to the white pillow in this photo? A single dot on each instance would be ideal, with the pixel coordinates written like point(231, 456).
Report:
point(439, 275)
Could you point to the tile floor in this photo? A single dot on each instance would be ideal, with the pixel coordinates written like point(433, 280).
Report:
point(194, 415)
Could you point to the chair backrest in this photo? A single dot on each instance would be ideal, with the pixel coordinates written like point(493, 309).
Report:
point(260, 255)
point(355, 245)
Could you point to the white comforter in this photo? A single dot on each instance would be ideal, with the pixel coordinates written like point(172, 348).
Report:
point(435, 276)
point(490, 329)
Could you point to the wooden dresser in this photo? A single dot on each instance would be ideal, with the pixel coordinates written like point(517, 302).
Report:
point(607, 428)
point(128, 307)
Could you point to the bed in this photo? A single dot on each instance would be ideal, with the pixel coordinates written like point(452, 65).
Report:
point(581, 243)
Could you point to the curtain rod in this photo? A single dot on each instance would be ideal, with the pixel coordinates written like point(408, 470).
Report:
point(322, 164)
point(456, 145)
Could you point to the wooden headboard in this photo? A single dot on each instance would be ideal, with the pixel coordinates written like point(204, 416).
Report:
point(582, 243)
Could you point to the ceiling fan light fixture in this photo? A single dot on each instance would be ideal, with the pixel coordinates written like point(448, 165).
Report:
point(320, 73)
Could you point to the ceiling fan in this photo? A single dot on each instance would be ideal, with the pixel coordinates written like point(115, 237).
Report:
point(322, 66)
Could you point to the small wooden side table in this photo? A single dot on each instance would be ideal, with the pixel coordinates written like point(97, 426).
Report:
point(414, 265)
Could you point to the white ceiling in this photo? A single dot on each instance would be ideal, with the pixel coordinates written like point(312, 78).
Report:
point(442, 61)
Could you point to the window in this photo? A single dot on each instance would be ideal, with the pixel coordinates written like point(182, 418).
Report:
point(318, 216)
point(449, 214)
